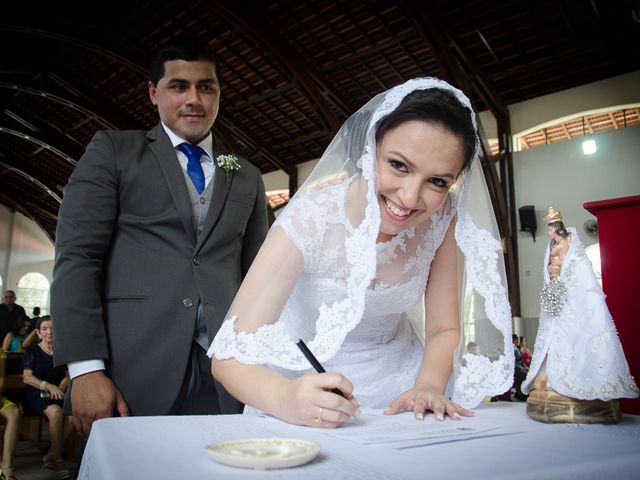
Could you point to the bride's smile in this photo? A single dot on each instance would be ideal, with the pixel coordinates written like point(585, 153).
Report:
point(395, 210)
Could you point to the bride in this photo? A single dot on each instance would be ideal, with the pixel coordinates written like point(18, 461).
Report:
point(386, 263)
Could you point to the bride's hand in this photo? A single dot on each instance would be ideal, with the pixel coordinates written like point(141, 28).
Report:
point(308, 400)
point(424, 398)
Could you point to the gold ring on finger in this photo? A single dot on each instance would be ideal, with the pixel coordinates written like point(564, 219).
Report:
point(319, 417)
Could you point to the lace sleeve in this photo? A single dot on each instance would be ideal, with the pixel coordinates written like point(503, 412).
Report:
point(252, 332)
point(303, 221)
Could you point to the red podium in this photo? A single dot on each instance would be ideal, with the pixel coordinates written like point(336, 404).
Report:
point(618, 232)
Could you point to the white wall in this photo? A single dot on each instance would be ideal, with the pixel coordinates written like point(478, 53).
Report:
point(561, 175)
point(6, 233)
point(279, 180)
point(620, 90)
point(24, 248)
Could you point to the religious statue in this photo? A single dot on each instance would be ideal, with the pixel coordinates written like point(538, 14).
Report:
point(578, 370)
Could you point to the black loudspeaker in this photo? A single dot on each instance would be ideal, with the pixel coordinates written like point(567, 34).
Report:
point(528, 220)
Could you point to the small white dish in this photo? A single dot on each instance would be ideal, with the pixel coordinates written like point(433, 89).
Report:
point(263, 453)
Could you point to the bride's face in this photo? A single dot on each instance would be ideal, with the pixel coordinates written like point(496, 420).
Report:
point(417, 164)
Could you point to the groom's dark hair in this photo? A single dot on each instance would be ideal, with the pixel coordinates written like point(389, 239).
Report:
point(185, 48)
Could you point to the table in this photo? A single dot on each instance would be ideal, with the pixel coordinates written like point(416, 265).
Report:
point(172, 448)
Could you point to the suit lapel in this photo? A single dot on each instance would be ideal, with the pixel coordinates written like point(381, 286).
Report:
point(219, 195)
point(162, 148)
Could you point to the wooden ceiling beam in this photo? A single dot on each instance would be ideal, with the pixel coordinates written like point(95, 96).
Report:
point(46, 132)
point(41, 139)
point(38, 183)
point(223, 126)
point(230, 135)
point(95, 110)
point(588, 123)
point(133, 65)
point(117, 120)
point(27, 208)
point(378, 48)
point(41, 211)
point(243, 16)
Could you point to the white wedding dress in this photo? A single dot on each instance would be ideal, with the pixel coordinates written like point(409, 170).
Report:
point(323, 278)
point(382, 354)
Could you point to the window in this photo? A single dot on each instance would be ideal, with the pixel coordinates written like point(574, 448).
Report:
point(33, 291)
point(593, 254)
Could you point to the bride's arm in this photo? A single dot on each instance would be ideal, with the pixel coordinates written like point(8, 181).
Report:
point(295, 401)
point(260, 301)
point(442, 324)
point(442, 335)
point(268, 284)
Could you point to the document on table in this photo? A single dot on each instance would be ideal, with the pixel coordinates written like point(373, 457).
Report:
point(404, 431)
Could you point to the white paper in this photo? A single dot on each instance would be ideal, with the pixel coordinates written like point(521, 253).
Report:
point(404, 431)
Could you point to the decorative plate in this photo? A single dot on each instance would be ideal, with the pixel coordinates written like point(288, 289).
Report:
point(263, 453)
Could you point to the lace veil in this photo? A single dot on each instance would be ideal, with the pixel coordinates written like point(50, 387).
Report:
point(312, 276)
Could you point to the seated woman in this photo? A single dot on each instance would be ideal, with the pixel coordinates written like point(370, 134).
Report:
point(11, 416)
point(14, 339)
point(44, 393)
point(525, 352)
point(376, 230)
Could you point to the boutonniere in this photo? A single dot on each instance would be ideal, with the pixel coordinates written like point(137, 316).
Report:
point(229, 163)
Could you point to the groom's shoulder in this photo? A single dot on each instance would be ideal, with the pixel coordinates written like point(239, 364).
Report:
point(119, 137)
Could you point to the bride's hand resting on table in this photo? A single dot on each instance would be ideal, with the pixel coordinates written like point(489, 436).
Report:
point(424, 398)
point(308, 400)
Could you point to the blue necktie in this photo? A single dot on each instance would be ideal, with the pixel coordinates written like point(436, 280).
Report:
point(194, 169)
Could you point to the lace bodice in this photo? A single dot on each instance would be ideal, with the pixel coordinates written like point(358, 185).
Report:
point(383, 339)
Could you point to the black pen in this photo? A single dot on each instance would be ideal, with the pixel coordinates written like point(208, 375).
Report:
point(320, 369)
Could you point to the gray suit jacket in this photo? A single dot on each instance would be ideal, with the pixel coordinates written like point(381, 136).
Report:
point(130, 271)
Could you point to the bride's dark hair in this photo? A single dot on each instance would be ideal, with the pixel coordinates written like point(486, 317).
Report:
point(438, 106)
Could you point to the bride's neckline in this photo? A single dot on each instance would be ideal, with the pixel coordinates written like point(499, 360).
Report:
point(395, 239)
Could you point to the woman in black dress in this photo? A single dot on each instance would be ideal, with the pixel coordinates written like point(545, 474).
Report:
point(44, 393)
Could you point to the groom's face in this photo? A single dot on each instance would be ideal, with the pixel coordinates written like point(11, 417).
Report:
point(187, 97)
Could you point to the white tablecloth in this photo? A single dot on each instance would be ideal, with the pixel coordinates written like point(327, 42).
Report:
point(172, 448)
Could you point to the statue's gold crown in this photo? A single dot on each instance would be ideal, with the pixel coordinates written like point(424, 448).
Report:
point(552, 215)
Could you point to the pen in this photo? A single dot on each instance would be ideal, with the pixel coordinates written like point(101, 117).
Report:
point(320, 369)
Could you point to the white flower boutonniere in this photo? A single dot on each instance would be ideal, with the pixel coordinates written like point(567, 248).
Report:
point(229, 163)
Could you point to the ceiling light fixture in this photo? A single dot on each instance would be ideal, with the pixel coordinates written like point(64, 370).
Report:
point(589, 147)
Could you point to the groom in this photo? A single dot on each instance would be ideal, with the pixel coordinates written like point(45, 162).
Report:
point(153, 240)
